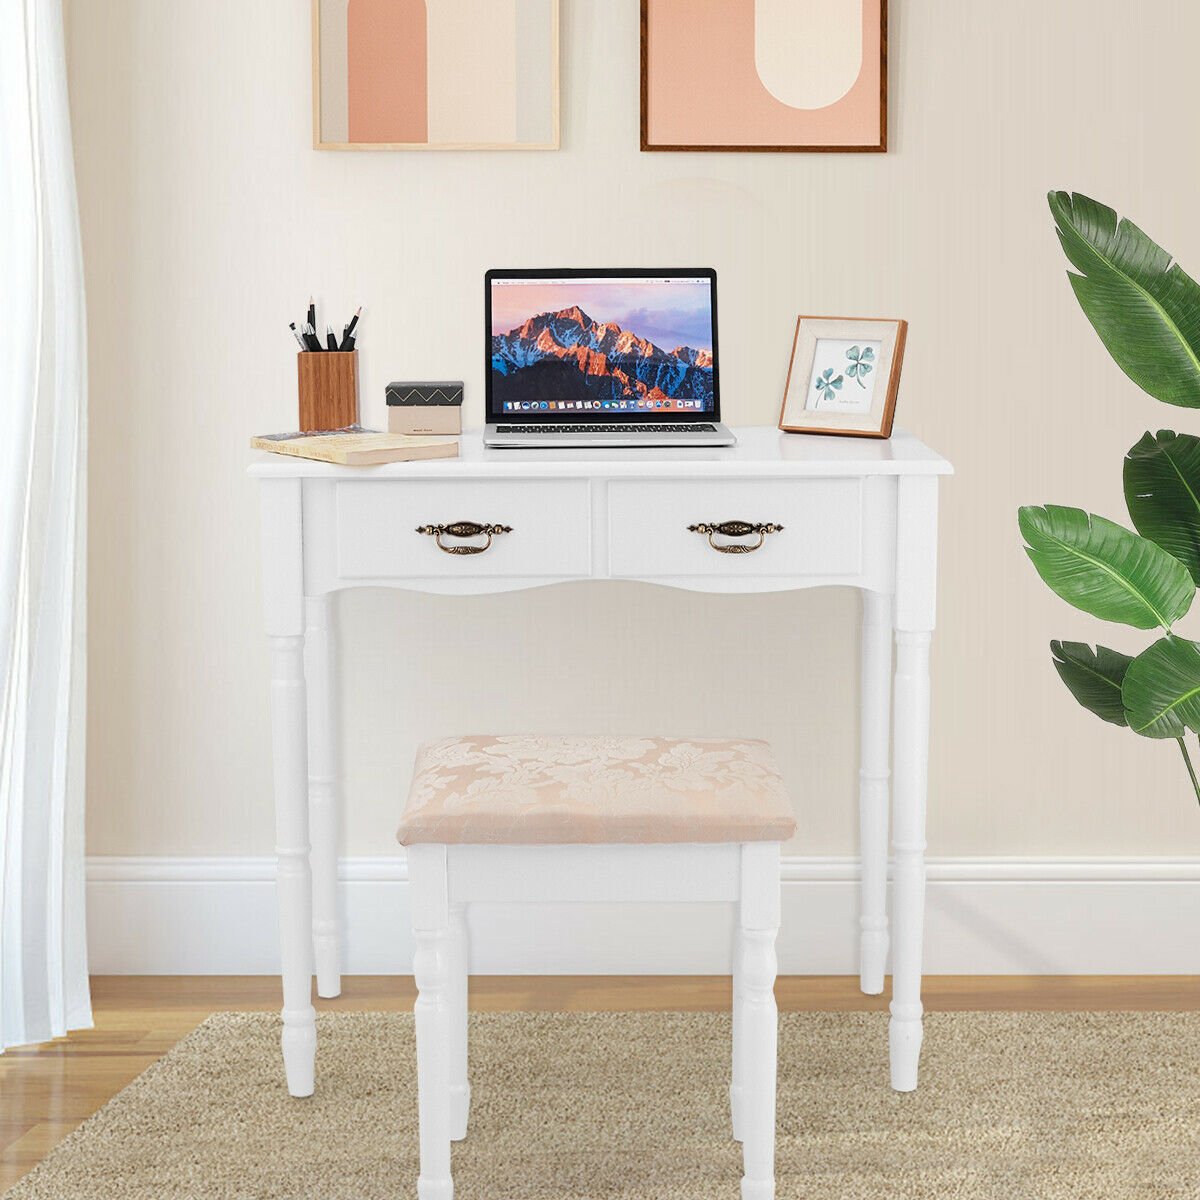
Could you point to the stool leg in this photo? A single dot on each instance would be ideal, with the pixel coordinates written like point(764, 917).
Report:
point(759, 921)
point(431, 973)
point(737, 1086)
point(460, 1087)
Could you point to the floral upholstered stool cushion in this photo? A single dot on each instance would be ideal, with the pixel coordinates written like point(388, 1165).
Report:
point(525, 790)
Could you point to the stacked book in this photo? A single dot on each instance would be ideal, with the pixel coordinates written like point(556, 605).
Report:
point(355, 446)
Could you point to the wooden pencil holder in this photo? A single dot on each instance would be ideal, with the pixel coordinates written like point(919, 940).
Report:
point(328, 388)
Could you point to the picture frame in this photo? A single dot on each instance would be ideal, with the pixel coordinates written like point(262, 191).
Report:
point(843, 376)
point(765, 76)
point(461, 75)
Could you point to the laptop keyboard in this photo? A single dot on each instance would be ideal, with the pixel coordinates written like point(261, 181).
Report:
point(631, 427)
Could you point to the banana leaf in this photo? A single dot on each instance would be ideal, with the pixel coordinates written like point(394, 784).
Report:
point(1143, 305)
point(1161, 691)
point(1094, 677)
point(1162, 492)
point(1104, 569)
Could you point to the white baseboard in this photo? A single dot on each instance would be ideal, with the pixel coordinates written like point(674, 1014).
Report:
point(1041, 916)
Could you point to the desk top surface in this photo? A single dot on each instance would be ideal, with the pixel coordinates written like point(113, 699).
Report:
point(762, 451)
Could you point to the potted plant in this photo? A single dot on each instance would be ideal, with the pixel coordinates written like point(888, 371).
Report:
point(1146, 310)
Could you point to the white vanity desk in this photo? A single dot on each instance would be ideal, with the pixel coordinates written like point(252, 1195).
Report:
point(853, 512)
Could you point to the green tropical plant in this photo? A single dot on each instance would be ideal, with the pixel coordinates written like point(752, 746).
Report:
point(1146, 309)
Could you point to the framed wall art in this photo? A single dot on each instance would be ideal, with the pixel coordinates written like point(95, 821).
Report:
point(843, 376)
point(764, 75)
point(436, 75)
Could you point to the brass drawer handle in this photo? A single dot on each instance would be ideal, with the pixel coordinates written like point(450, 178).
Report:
point(463, 529)
point(736, 529)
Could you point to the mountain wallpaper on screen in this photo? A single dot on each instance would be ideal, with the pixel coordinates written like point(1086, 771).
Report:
point(567, 356)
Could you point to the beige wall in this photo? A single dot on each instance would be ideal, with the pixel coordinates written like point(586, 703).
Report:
point(207, 220)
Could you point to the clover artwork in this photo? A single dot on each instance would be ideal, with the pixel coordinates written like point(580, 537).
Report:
point(860, 359)
point(830, 386)
point(842, 379)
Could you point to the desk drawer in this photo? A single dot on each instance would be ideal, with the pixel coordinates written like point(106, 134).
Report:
point(821, 531)
point(548, 528)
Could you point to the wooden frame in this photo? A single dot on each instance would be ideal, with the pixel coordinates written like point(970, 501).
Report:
point(879, 148)
point(555, 83)
point(877, 422)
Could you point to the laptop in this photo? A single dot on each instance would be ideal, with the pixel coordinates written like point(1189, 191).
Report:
point(602, 358)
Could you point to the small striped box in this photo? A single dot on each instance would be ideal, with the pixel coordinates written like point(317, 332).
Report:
point(425, 407)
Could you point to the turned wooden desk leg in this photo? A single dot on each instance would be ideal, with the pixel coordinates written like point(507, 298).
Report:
point(323, 798)
point(291, 847)
point(875, 743)
point(283, 609)
point(916, 568)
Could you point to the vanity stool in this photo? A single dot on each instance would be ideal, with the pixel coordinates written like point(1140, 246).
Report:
point(560, 820)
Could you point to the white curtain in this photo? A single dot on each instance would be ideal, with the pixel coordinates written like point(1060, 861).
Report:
point(43, 959)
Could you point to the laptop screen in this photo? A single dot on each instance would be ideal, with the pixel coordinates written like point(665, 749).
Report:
point(579, 345)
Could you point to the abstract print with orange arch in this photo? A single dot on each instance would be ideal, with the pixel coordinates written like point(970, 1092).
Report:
point(764, 75)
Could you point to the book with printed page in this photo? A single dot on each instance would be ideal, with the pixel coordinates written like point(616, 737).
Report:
point(355, 446)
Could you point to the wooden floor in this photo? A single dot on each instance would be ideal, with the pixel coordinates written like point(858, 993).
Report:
point(45, 1091)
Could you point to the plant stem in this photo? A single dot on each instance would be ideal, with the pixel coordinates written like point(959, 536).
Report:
point(1187, 758)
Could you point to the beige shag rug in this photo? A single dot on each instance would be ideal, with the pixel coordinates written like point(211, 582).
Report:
point(618, 1106)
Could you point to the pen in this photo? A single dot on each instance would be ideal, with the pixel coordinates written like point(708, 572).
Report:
point(311, 339)
point(348, 332)
point(312, 314)
point(296, 335)
point(330, 338)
